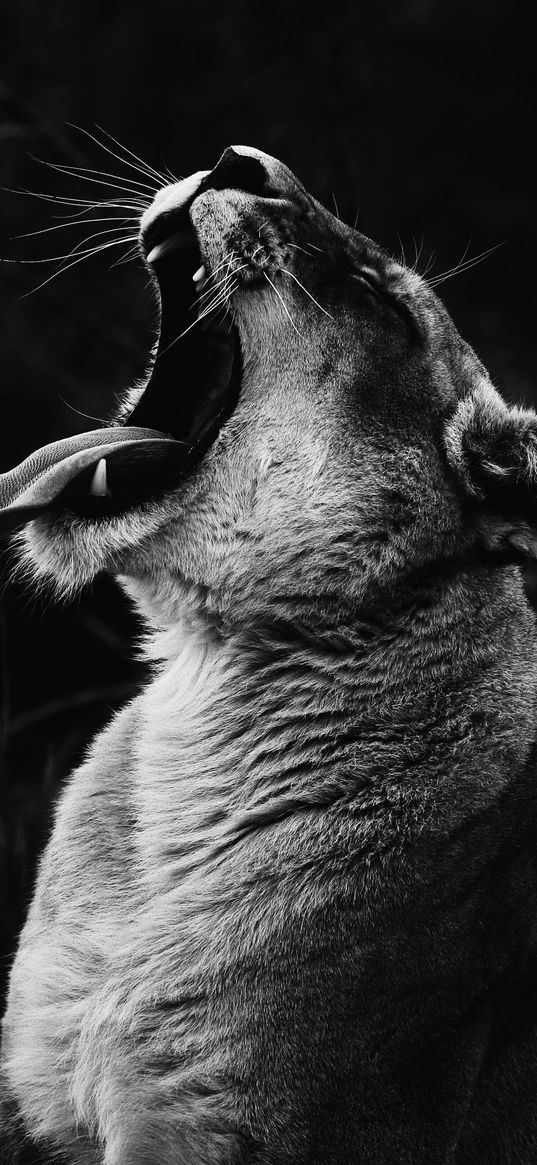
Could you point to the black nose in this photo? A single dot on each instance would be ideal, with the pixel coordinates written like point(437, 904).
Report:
point(238, 172)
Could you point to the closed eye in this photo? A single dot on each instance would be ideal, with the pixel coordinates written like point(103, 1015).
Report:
point(370, 279)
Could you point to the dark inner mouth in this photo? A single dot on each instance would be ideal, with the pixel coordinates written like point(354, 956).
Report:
point(193, 389)
point(195, 381)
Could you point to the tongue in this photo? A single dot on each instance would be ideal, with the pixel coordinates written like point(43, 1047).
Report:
point(132, 454)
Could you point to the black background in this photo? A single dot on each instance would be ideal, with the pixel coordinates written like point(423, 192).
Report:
point(419, 115)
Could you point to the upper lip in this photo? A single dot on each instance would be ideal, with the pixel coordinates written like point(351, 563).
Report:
point(168, 217)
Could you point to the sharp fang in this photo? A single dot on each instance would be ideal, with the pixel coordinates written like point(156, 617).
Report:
point(200, 279)
point(99, 486)
point(173, 243)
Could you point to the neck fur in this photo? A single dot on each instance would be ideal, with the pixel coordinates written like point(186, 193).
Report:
point(242, 729)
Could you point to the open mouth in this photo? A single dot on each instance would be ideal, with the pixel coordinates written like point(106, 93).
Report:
point(191, 392)
point(194, 384)
point(196, 376)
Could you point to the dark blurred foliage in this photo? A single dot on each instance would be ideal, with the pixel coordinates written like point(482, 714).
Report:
point(419, 114)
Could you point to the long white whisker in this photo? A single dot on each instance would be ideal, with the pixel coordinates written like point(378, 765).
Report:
point(170, 174)
point(81, 222)
point(221, 293)
point(79, 411)
point(297, 248)
point(74, 250)
point(464, 266)
point(129, 182)
point(226, 260)
point(67, 266)
point(106, 204)
point(190, 326)
point(308, 293)
point(85, 203)
point(417, 252)
point(147, 171)
point(428, 265)
point(198, 301)
point(130, 254)
point(96, 181)
point(230, 274)
point(456, 265)
point(221, 299)
point(284, 305)
point(211, 280)
point(143, 167)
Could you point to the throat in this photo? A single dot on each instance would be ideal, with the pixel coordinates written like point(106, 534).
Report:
point(242, 735)
point(243, 732)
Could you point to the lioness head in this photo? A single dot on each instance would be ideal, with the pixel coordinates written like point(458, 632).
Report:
point(313, 432)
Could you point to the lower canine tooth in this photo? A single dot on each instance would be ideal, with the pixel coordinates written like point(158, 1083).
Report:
point(99, 486)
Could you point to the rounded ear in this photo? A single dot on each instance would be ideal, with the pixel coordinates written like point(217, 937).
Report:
point(492, 449)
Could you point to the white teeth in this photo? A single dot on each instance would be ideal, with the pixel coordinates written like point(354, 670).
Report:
point(99, 486)
point(200, 277)
point(174, 243)
point(154, 254)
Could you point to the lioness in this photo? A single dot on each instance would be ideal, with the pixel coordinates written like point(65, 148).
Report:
point(287, 913)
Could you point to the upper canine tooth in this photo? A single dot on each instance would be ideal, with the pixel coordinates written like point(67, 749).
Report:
point(173, 243)
point(99, 485)
point(200, 275)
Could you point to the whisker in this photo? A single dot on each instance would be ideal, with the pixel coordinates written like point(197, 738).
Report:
point(204, 294)
point(73, 251)
point(464, 266)
point(296, 247)
point(82, 171)
point(198, 301)
point(125, 189)
point(87, 204)
point(457, 265)
point(221, 294)
point(106, 204)
point(230, 274)
point(171, 174)
point(189, 328)
point(308, 293)
point(143, 167)
point(65, 225)
point(67, 266)
point(222, 298)
point(147, 171)
point(222, 315)
point(128, 257)
point(417, 252)
point(429, 264)
point(79, 411)
point(227, 259)
point(284, 305)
